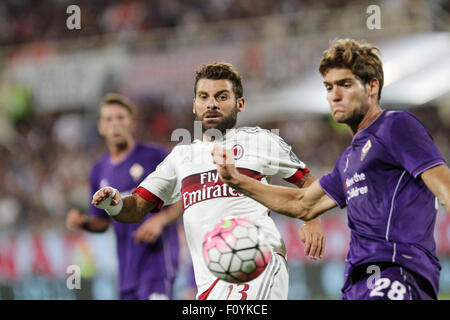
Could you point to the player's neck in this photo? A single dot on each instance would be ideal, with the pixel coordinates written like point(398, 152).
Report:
point(119, 152)
point(208, 138)
point(368, 118)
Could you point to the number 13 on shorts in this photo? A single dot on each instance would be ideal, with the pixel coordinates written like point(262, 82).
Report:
point(238, 289)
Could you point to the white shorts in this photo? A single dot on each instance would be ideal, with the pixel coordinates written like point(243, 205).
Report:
point(272, 284)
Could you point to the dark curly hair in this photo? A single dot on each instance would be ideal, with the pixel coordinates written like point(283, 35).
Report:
point(219, 71)
point(363, 59)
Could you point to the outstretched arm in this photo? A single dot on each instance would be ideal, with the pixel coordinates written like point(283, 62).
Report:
point(311, 232)
point(75, 219)
point(131, 209)
point(152, 228)
point(306, 204)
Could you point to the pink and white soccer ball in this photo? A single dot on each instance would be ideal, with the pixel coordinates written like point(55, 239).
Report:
point(235, 250)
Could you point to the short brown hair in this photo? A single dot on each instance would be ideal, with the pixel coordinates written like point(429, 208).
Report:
point(115, 98)
point(363, 59)
point(220, 71)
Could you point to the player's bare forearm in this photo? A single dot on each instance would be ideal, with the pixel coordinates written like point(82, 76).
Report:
point(131, 209)
point(437, 179)
point(171, 214)
point(76, 220)
point(152, 228)
point(305, 182)
point(281, 199)
point(315, 202)
point(287, 201)
point(306, 203)
point(134, 209)
point(311, 232)
point(95, 225)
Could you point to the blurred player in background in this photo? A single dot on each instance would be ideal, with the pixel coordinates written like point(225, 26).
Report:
point(189, 174)
point(390, 180)
point(147, 252)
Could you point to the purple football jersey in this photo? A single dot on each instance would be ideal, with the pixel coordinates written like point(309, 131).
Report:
point(394, 282)
point(144, 261)
point(391, 212)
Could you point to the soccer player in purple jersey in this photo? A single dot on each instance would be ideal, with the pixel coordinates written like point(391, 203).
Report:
point(147, 252)
point(390, 179)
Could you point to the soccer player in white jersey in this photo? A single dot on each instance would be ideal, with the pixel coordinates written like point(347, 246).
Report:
point(189, 174)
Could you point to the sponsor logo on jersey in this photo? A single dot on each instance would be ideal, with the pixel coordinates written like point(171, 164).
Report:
point(207, 185)
point(366, 149)
point(238, 151)
point(355, 185)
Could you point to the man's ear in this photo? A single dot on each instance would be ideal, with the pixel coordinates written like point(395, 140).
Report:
point(374, 87)
point(241, 104)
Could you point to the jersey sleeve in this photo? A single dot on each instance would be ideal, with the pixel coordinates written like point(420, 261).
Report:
point(283, 161)
point(332, 185)
point(95, 185)
point(161, 186)
point(411, 145)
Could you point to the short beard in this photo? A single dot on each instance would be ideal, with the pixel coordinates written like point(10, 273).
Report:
point(228, 122)
point(355, 119)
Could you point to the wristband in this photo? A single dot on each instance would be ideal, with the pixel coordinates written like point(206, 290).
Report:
point(112, 210)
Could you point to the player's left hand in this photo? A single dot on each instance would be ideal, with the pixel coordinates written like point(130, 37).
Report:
point(312, 235)
point(224, 160)
point(150, 230)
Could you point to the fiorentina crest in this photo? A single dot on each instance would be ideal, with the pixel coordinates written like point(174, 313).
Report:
point(366, 149)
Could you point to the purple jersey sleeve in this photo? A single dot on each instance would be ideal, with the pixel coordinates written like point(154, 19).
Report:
point(411, 145)
point(332, 185)
point(95, 185)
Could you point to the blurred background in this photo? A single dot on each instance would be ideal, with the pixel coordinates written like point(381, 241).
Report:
point(52, 79)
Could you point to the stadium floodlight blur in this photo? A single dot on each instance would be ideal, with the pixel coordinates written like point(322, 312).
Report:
point(416, 71)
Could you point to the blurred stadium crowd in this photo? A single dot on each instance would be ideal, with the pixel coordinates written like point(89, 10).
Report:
point(37, 20)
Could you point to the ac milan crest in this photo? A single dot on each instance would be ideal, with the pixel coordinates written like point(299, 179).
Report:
point(238, 151)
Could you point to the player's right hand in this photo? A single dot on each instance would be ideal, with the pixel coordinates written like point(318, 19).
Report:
point(75, 219)
point(106, 197)
point(312, 235)
point(224, 161)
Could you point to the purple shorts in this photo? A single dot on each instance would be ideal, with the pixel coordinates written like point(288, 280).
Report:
point(154, 289)
point(386, 281)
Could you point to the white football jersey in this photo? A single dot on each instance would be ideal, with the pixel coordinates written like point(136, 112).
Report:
point(189, 174)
